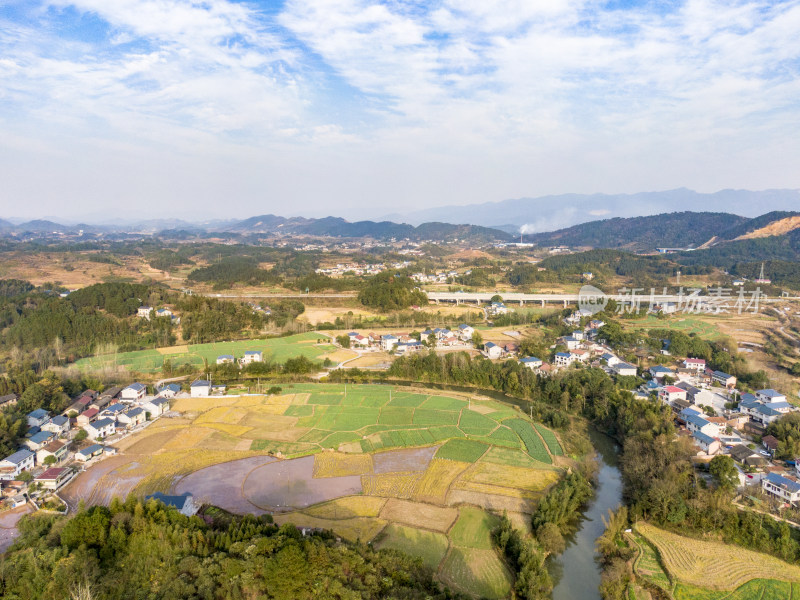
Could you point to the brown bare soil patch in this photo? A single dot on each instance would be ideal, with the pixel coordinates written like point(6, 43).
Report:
point(416, 514)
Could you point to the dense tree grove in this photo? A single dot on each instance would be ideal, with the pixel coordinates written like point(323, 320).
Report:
point(133, 550)
point(391, 291)
point(234, 269)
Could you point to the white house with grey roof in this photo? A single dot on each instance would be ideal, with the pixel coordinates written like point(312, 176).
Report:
point(14, 464)
point(135, 391)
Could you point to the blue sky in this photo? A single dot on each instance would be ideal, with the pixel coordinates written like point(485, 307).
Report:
point(359, 108)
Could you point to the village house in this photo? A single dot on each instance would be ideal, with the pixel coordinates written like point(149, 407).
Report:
point(87, 416)
point(563, 359)
point(58, 425)
point(53, 477)
point(579, 355)
point(38, 440)
point(624, 369)
point(135, 391)
point(113, 410)
point(694, 364)
point(497, 308)
point(659, 372)
point(143, 312)
point(769, 395)
point(225, 359)
point(8, 400)
point(89, 453)
point(200, 388)
point(100, 429)
point(697, 423)
point(465, 332)
point(722, 378)
point(11, 466)
point(132, 417)
point(164, 312)
point(669, 393)
point(784, 487)
point(169, 390)
point(252, 356)
point(570, 342)
point(56, 449)
point(156, 407)
point(38, 417)
point(531, 362)
point(388, 342)
point(709, 445)
point(492, 350)
point(770, 442)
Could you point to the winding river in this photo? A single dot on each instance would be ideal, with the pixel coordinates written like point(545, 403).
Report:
point(577, 571)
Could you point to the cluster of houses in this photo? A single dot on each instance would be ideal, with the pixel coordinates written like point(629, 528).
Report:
point(46, 444)
point(250, 356)
point(361, 268)
point(403, 343)
point(440, 277)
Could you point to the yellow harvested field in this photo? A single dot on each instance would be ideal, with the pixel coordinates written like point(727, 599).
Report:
point(149, 442)
point(437, 479)
point(351, 448)
point(174, 350)
point(416, 514)
point(392, 485)
point(712, 564)
point(481, 409)
point(223, 441)
point(223, 414)
point(234, 430)
point(188, 437)
point(494, 502)
point(484, 488)
point(340, 355)
point(534, 480)
point(347, 508)
point(200, 405)
point(358, 528)
point(159, 472)
point(338, 464)
point(269, 409)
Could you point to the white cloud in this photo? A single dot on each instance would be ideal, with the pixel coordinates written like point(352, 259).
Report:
point(468, 99)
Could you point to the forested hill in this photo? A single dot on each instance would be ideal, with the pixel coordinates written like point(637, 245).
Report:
point(382, 230)
point(670, 230)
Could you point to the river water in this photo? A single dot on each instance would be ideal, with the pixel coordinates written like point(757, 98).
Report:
point(577, 571)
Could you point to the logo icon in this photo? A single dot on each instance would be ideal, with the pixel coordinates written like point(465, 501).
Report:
point(591, 300)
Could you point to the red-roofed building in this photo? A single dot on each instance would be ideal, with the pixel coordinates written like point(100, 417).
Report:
point(87, 416)
point(53, 477)
point(695, 364)
point(669, 393)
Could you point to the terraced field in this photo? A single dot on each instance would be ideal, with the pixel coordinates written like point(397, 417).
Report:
point(370, 462)
point(691, 569)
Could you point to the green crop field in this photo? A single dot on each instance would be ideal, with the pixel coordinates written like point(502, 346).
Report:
point(461, 450)
point(473, 529)
point(533, 443)
point(310, 345)
point(510, 457)
point(428, 545)
point(685, 323)
point(550, 439)
point(477, 572)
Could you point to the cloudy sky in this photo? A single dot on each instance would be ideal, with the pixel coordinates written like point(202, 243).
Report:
point(352, 107)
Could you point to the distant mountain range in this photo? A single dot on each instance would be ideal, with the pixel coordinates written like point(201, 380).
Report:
point(267, 225)
point(549, 213)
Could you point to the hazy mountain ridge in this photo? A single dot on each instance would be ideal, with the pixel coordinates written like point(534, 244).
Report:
point(555, 212)
point(670, 230)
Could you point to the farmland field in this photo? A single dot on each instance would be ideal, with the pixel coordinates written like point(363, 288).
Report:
point(428, 545)
point(405, 467)
point(310, 345)
point(712, 570)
